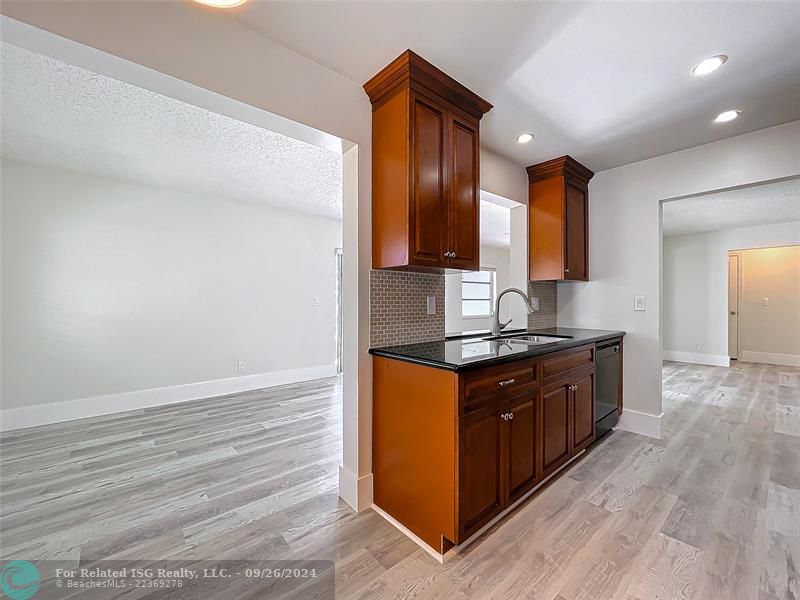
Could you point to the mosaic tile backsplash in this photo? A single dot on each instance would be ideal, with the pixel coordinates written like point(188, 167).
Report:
point(398, 307)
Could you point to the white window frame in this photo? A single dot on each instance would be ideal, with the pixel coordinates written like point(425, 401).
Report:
point(492, 294)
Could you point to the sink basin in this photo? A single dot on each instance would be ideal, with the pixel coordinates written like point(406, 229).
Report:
point(537, 339)
point(528, 338)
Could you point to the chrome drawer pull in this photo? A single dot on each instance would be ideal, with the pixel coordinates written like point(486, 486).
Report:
point(506, 382)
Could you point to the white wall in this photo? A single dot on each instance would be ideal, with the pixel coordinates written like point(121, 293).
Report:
point(212, 51)
point(625, 245)
point(506, 178)
point(493, 258)
point(695, 292)
point(770, 331)
point(111, 287)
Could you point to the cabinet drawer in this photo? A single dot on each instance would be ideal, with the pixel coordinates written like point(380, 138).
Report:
point(582, 356)
point(502, 381)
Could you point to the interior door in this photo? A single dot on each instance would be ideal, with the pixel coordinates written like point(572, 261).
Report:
point(428, 203)
point(522, 431)
point(464, 194)
point(733, 306)
point(575, 259)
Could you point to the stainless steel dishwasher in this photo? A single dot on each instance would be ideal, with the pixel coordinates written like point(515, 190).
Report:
point(607, 386)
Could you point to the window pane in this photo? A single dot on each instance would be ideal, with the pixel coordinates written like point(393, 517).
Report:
point(476, 308)
point(476, 291)
point(477, 276)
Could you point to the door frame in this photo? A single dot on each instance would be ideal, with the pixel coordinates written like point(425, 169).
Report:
point(735, 291)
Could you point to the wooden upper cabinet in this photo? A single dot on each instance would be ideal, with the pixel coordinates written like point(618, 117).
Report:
point(425, 168)
point(558, 210)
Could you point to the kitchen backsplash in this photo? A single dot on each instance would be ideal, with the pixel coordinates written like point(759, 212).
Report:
point(547, 293)
point(398, 307)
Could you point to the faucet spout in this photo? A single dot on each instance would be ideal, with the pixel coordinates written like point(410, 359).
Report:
point(497, 326)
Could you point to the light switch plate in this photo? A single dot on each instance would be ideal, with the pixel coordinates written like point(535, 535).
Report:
point(639, 303)
point(765, 302)
point(431, 305)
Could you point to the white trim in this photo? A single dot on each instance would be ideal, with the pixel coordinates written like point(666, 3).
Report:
point(475, 536)
point(409, 534)
point(69, 410)
point(355, 490)
point(698, 358)
point(770, 358)
point(641, 423)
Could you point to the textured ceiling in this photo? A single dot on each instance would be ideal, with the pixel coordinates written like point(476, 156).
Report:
point(495, 225)
point(606, 82)
point(758, 205)
point(64, 116)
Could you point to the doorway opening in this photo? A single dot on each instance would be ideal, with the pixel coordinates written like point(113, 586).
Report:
point(725, 283)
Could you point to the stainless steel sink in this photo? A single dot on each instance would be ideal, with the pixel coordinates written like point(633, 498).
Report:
point(537, 339)
point(527, 338)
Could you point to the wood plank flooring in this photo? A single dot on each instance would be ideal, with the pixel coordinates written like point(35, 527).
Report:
point(711, 511)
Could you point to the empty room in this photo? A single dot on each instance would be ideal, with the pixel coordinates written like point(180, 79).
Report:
point(437, 299)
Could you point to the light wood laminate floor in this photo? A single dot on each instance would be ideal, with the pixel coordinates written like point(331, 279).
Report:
point(711, 511)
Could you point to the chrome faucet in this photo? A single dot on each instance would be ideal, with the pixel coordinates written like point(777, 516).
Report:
point(497, 326)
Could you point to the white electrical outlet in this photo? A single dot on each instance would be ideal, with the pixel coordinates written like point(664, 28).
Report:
point(535, 303)
point(765, 302)
point(241, 366)
point(431, 305)
point(315, 301)
point(639, 303)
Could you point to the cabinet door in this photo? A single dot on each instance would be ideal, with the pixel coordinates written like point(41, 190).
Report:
point(480, 495)
point(522, 431)
point(428, 203)
point(554, 425)
point(576, 234)
point(463, 194)
point(582, 411)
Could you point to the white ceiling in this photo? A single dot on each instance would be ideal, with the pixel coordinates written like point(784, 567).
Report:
point(758, 205)
point(64, 116)
point(607, 82)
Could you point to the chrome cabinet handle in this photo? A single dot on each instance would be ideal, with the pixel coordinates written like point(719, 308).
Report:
point(506, 382)
point(511, 416)
point(574, 388)
point(504, 416)
point(566, 270)
point(450, 254)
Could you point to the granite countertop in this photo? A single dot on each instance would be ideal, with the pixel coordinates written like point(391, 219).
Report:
point(469, 352)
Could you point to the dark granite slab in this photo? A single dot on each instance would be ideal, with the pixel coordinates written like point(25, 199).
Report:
point(473, 351)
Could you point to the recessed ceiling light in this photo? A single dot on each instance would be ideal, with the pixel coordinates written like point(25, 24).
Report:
point(524, 138)
point(728, 115)
point(709, 65)
point(221, 3)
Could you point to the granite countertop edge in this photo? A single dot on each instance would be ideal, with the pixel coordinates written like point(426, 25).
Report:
point(579, 338)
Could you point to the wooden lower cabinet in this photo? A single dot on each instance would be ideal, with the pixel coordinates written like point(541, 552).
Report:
point(521, 433)
point(451, 451)
point(555, 423)
point(582, 409)
point(497, 460)
point(480, 469)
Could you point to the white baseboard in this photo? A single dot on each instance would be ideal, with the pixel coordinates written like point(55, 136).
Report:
point(698, 358)
point(409, 534)
point(70, 410)
point(641, 423)
point(787, 360)
point(355, 490)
